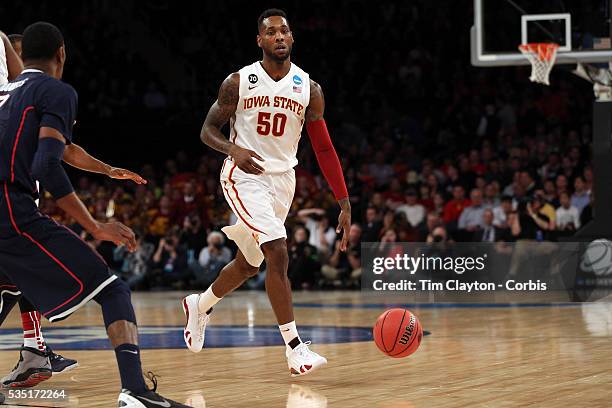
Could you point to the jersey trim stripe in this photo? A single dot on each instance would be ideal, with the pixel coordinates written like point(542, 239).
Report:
point(42, 248)
point(23, 116)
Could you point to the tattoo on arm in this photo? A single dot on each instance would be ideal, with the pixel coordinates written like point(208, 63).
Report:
point(316, 106)
point(220, 112)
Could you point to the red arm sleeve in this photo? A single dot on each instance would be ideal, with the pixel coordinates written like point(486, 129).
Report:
point(327, 157)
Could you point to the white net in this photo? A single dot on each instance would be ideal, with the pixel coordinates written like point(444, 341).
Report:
point(542, 57)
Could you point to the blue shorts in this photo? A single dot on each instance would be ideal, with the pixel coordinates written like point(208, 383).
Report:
point(53, 267)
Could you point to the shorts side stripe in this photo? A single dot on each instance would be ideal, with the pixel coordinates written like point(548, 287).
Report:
point(229, 177)
point(227, 194)
point(73, 309)
point(42, 248)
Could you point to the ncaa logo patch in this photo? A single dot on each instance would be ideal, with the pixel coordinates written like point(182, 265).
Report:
point(253, 78)
point(297, 80)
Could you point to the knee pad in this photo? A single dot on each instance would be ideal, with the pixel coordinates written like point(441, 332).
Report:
point(116, 303)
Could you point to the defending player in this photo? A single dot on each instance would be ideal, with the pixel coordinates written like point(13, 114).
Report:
point(267, 104)
point(37, 361)
point(47, 262)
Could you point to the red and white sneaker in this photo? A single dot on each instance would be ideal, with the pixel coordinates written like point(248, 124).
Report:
point(196, 323)
point(301, 360)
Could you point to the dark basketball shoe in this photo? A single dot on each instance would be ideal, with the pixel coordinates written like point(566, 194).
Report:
point(32, 368)
point(148, 399)
point(59, 363)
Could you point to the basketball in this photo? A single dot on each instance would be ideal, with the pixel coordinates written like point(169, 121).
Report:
point(398, 333)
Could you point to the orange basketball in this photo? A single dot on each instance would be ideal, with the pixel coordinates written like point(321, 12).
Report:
point(398, 333)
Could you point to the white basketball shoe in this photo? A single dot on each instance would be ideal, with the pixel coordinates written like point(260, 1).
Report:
point(301, 360)
point(196, 323)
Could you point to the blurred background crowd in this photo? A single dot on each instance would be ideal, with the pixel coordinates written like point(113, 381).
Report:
point(432, 148)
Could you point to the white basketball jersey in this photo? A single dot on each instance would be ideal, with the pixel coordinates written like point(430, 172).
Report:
point(270, 115)
point(3, 65)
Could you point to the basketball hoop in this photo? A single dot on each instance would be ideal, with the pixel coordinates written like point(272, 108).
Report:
point(542, 57)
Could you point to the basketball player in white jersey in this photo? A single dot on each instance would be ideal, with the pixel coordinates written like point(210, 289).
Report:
point(266, 103)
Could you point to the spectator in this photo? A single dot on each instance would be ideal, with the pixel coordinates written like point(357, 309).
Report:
point(490, 199)
point(388, 222)
point(580, 198)
point(433, 220)
point(550, 193)
point(134, 266)
point(528, 223)
point(546, 207)
point(393, 196)
point(212, 259)
point(381, 170)
point(160, 218)
point(489, 232)
point(501, 212)
point(188, 203)
point(415, 212)
point(372, 225)
point(568, 217)
point(455, 206)
point(321, 234)
point(561, 184)
point(438, 234)
point(169, 264)
point(527, 182)
point(193, 235)
point(304, 267)
point(587, 212)
point(471, 218)
point(438, 204)
point(344, 265)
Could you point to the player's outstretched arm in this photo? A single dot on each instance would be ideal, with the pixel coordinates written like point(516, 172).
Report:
point(13, 62)
point(77, 157)
point(328, 158)
point(47, 168)
point(220, 112)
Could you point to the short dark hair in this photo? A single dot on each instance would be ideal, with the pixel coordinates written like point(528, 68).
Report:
point(15, 38)
point(41, 41)
point(269, 13)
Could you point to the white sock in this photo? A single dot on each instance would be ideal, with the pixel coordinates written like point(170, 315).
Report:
point(207, 300)
point(30, 340)
point(289, 332)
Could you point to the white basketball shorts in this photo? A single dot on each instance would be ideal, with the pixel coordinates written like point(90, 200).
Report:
point(261, 204)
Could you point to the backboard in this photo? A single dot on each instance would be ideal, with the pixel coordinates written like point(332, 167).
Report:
point(580, 27)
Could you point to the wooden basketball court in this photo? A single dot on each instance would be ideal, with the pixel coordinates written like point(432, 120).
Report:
point(531, 355)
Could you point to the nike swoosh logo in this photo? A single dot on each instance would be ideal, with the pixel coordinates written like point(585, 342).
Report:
point(164, 404)
point(252, 87)
point(285, 330)
point(129, 351)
